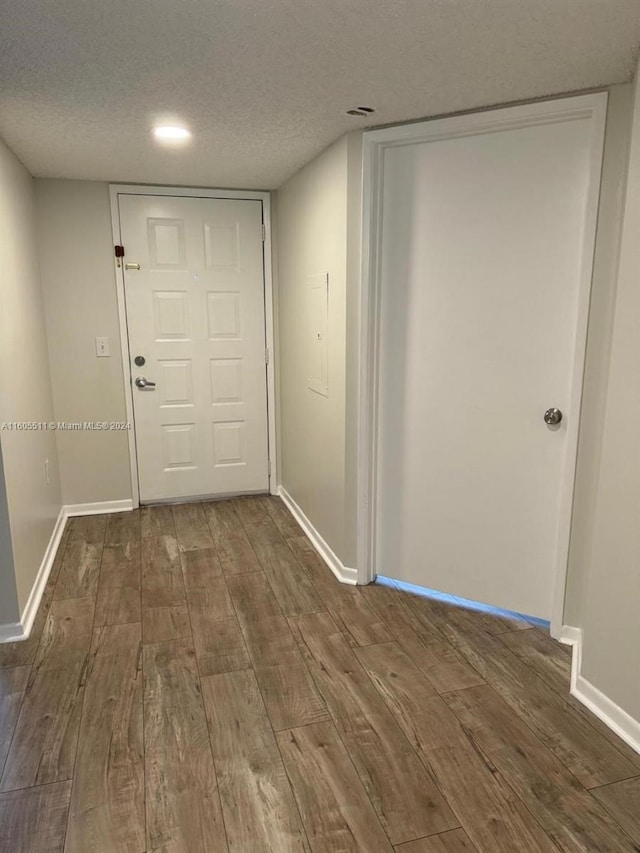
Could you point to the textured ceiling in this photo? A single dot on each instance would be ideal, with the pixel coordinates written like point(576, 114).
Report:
point(264, 84)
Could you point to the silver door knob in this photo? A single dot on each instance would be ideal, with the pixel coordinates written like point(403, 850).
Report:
point(552, 417)
point(143, 383)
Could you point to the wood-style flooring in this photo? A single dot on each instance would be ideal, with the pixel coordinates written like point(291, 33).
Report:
point(197, 681)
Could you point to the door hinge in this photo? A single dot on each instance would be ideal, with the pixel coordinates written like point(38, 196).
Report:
point(266, 355)
point(119, 253)
point(264, 232)
point(269, 467)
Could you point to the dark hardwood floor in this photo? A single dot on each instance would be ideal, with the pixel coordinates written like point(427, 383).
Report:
point(197, 681)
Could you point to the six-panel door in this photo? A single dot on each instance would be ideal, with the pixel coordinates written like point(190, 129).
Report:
point(196, 315)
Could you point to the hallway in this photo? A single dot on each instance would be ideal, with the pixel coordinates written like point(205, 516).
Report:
point(197, 680)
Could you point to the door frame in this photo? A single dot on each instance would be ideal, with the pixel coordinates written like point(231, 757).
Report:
point(375, 142)
point(264, 197)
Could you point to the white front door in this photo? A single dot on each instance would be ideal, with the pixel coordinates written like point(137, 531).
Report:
point(486, 249)
point(196, 316)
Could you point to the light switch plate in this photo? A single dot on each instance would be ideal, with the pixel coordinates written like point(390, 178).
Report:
point(102, 347)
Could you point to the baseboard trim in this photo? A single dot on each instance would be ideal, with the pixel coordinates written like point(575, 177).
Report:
point(611, 714)
point(31, 608)
point(570, 635)
point(342, 572)
point(16, 631)
point(99, 508)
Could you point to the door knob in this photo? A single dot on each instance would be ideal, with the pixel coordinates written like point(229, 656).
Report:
point(552, 417)
point(143, 383)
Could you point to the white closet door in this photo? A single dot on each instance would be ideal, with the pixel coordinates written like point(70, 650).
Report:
point(484, 238)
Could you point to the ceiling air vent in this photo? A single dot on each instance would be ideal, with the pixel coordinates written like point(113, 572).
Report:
point(360, 111)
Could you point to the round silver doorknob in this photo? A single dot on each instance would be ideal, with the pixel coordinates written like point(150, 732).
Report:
point(552, 417)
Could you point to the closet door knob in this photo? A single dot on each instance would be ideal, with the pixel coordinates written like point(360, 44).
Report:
point(552, 417)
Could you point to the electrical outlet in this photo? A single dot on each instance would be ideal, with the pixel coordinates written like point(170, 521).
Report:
point(102, 348)
point(47, 478)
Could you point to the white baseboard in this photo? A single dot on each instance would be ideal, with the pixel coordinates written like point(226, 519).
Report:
point(570, 636)
point(16, 631)
point(33, 602)
point(342, 572)
point(99, 508)
point(612, 715)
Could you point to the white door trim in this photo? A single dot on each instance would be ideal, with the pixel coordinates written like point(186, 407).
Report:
point(189, 192)
point(375, 142)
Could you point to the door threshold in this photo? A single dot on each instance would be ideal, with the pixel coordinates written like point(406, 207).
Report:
point(203, 498)
point(459, 601)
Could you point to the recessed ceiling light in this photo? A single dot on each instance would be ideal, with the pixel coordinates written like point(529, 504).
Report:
point(171, 132)
point(360, 111)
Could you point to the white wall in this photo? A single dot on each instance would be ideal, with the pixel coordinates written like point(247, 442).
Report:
point(610, 622)
point(32, 506)
point(76, 255)
point(311, 214)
